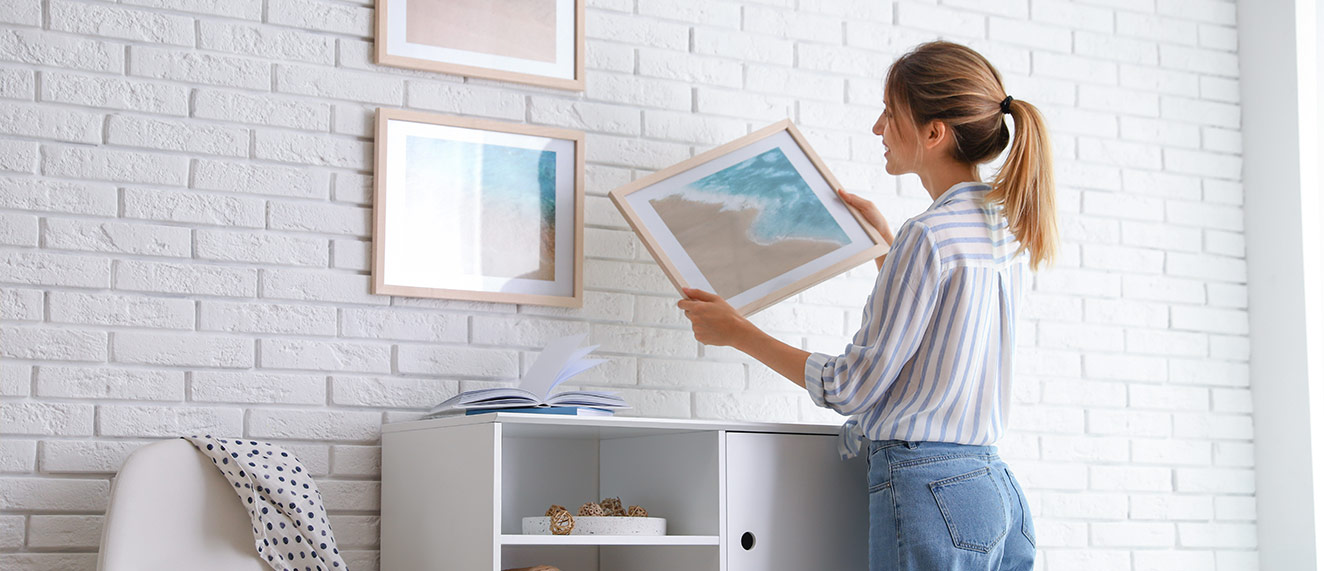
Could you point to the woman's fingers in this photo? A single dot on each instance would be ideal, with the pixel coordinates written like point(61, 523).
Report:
point(857, 201)
point(700, 295)
point(870, 213)
point(712, 319)
point(691, 307)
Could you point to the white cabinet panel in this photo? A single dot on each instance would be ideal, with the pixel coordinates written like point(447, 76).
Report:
point(438, 490)
point(793, 504)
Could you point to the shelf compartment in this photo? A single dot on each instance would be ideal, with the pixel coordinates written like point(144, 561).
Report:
point(674, 475)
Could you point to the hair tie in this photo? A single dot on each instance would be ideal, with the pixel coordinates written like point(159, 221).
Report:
point(1006, 105)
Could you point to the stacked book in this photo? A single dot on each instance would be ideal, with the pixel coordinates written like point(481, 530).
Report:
point(559, 361)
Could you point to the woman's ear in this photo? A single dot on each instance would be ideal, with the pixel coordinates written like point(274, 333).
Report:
point(935, 134)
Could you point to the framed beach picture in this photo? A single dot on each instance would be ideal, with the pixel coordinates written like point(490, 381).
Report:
point(539, 42)
point(755, 221)
point(477, 210)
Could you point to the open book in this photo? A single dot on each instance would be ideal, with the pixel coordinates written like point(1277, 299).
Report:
point(560, 360)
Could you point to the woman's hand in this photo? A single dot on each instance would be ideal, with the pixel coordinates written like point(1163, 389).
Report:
point(872, 216)
point(870, 213)
point(713, 320)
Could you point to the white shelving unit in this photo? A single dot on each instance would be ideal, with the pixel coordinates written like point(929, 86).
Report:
point(736, 496)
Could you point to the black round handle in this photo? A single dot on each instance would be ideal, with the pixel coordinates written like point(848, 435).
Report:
point(747, 541)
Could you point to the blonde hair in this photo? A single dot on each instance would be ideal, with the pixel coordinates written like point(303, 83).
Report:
point(949, 82)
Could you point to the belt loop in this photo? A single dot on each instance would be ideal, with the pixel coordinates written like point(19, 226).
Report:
point(912, 445)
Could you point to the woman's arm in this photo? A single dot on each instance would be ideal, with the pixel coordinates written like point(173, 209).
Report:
point(715, 322)
point(787, 360)
point(899, 312)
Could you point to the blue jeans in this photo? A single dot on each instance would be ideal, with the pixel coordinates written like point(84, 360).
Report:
point(936, 505)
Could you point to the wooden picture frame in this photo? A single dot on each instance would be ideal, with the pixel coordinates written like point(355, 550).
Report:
point(477, 210)
point(756, 220)
point(505, 40)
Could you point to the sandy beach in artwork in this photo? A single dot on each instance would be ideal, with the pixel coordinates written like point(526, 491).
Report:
point(524, 29)
point(719, 243)
point(514, 244)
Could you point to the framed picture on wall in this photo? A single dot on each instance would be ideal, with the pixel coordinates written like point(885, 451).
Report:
point(477, 210)
point(755, 221)
point(539, 42)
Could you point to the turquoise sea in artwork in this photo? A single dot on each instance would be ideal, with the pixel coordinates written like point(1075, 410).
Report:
point(787, 207)
point(506, 175)
point(502, 199)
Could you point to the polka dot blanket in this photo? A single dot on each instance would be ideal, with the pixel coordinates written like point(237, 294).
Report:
point(290, 529)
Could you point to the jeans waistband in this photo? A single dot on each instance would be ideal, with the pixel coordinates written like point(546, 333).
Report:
point(934, 448)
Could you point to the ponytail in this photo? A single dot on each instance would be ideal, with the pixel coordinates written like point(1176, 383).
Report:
point(952, 83)
point(1024, 185)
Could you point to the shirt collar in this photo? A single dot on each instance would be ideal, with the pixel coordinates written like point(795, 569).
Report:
point(961, 191)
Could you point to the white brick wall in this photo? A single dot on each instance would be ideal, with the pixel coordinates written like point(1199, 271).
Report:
point(184, 233)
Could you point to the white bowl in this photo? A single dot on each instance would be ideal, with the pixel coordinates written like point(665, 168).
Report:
point(600, 525)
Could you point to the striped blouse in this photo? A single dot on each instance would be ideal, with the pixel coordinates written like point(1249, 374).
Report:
point(932, 358)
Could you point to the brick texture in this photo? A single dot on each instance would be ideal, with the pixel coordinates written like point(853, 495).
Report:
point(185, 207)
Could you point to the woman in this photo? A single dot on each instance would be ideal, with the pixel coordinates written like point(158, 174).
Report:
point(927, 379)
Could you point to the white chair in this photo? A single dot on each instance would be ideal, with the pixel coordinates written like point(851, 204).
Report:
point(170, 508)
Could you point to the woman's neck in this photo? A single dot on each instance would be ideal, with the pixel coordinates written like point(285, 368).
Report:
point(940, 178)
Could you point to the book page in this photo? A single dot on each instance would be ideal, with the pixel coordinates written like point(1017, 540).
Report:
point(546, 370)
point(575, 367)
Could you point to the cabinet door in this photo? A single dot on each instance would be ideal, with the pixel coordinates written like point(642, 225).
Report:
point(793, 504)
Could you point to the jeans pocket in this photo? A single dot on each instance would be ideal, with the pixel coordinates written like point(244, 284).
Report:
point(974, 508)
point(878, 470)
point(1027, 523)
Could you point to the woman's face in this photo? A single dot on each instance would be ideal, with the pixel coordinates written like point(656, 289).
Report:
point(899, 140)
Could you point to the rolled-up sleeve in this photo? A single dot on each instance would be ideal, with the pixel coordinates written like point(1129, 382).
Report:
point(896, 319)
point(814, 377)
